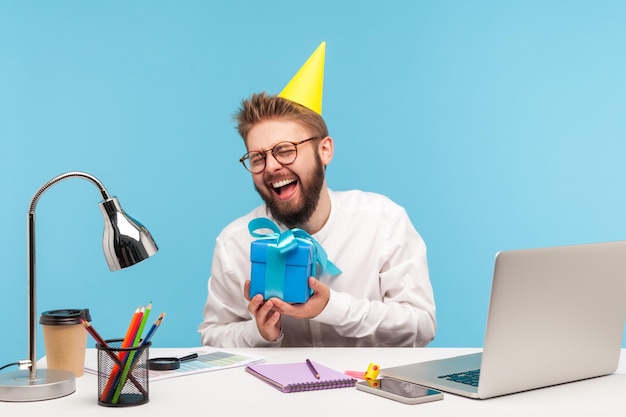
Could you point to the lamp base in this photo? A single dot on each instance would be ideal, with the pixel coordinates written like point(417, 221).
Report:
point(50, 383)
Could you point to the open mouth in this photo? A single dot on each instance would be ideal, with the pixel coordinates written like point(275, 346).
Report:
point(285, 188)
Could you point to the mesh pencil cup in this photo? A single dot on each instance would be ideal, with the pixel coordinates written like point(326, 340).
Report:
point(122, 374)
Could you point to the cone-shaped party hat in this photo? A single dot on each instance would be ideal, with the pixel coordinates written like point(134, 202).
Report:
point(306, 86)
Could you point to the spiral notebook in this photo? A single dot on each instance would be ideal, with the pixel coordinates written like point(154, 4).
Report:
point(297, 376)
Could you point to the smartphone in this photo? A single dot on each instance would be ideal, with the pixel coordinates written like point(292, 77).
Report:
point(395, 389)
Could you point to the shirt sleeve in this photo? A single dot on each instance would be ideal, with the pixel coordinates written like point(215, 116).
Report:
point(227, 322)
point(405, 313)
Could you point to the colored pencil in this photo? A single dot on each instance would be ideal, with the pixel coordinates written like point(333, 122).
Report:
point(122, 380)
point(144, 319)
point(126, 342)
point(92, 331)
point(153, 329)
point(148, 337)
point(133, 327)
point(312, 369)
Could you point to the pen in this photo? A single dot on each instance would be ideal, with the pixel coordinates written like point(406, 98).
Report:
point(313, 370)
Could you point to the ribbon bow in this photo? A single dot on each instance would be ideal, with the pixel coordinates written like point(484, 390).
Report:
point(286, 242)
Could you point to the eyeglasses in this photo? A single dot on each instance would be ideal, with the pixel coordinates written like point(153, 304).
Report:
point(284, 152)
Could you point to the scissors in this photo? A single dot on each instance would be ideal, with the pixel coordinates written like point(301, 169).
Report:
point(169, 364)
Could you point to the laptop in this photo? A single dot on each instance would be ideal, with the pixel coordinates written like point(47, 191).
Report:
point(556, 315)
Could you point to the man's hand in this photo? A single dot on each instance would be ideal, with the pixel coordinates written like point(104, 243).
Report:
point(308, 310)
point(267, 317)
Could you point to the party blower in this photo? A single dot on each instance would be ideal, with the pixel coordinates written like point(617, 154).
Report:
point(125, 242)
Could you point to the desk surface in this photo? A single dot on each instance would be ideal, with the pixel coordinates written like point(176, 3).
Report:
point(235, 392)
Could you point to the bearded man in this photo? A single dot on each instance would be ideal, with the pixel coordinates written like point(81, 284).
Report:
point(383, 296)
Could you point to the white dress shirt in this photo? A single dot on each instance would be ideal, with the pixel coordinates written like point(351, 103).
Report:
point(383, 297)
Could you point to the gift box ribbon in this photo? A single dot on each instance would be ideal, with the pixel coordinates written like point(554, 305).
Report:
point(285, 242)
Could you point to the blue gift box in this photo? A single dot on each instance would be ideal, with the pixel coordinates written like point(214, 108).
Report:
point(288, 277)
point(282, 262)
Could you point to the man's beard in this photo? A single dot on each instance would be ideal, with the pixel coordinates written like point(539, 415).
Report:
point(310, 190)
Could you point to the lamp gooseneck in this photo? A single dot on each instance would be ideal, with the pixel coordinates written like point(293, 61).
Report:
point(31, 272)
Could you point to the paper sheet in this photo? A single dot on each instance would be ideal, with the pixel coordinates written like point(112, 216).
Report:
point(209, 359)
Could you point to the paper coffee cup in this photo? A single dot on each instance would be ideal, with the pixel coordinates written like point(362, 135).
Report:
point(65, 339)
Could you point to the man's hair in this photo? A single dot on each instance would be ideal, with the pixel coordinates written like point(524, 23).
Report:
point(262, 106)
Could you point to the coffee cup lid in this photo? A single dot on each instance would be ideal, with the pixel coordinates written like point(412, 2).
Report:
point(64, 317)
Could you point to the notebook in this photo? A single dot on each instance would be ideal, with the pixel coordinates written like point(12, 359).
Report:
point(556, 315)
point(297, 376)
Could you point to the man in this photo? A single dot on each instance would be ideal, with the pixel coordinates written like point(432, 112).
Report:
point(383, 296)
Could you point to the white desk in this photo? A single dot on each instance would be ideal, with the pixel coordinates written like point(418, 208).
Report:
point(233, 392)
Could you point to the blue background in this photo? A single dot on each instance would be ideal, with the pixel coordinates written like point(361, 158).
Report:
point(498, 125)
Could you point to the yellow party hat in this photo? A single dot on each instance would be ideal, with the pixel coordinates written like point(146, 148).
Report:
point(306, 86)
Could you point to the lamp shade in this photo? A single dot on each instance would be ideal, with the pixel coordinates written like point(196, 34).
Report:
point(125, 241)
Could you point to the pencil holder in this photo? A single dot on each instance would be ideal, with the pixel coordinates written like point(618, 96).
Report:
point(122, 374)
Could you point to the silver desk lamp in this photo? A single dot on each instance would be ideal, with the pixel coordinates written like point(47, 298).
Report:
point(125, 242)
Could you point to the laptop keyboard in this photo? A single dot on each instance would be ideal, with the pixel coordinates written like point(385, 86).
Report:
point(467, 377)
